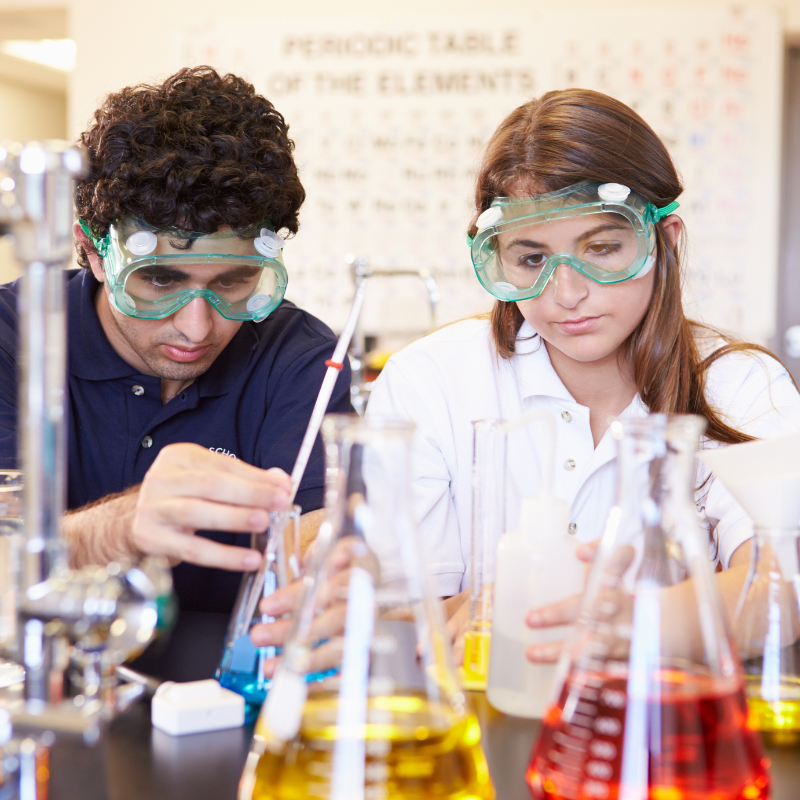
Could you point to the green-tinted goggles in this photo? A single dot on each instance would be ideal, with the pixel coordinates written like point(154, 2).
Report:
point(604, 231)
point(152, 272)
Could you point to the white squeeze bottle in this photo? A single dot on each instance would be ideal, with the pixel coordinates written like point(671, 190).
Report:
point(535, 565)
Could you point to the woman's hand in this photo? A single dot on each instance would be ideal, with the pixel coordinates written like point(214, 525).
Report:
point(613, 602)
point(456, 614)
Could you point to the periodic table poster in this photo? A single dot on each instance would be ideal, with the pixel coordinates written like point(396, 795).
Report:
point(390, 114)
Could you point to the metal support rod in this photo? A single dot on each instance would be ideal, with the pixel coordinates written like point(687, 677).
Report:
point(43, 355)
point(37, 202)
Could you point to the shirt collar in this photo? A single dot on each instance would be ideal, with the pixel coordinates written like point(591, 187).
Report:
point(92, 357)
point(537, 378)
point(535, 373)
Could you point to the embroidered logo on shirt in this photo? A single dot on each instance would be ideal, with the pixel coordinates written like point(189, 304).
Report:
point(222, 451)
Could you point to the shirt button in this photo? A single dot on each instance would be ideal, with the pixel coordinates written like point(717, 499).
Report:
point(569, 465)
point(147, 442)
point(572, 528)
point(566, 416)
point(138, 390)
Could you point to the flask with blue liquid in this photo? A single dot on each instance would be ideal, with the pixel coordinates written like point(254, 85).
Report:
point(241, 668)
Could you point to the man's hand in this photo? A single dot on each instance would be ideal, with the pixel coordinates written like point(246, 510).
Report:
point(331, 608)
point(187, 489)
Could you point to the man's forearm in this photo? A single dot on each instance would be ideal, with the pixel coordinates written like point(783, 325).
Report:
point(100, 532)
point(309, 528)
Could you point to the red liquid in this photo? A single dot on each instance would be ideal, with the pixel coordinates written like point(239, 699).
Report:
point(693, 744)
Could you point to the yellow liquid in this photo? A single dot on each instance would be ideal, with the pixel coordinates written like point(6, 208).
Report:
point(476, 656)
point(779, 722)
point(413, 749)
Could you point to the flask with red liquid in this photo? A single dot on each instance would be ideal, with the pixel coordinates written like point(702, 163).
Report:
point(651, 705)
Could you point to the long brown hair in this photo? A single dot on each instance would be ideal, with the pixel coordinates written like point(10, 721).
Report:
point(574, 135)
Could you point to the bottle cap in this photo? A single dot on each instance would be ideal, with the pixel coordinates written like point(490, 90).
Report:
point(543, 517)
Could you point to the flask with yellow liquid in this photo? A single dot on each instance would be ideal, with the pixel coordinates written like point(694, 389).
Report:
point(767, 628)
point(389, 722)
point(764, 476)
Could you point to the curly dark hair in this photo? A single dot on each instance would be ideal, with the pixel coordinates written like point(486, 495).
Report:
point(198, 152)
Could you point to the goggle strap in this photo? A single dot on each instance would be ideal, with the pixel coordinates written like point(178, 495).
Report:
point(657, 214)
point(101, 245)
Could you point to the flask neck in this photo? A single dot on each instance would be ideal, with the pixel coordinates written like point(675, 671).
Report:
point(656, 461)
point(656, 476)
point(778, 544)
point(368, 489)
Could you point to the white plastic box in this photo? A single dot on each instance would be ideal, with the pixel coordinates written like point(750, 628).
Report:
point(194, 707)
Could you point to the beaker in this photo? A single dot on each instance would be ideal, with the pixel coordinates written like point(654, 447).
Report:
point(651, 703)
point(241, 668)
point(391, 720)
point(767, 629)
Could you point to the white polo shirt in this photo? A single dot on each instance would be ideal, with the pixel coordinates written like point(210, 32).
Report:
point(454, 376)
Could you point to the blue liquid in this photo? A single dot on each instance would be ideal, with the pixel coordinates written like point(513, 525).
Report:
point(253, 685)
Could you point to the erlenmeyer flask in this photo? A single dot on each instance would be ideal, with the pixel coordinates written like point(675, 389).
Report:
point(767, 629)
point(241, 668)
point(651, 703)
point(391, 721)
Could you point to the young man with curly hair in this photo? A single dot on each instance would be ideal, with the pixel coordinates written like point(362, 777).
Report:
point(191, 380)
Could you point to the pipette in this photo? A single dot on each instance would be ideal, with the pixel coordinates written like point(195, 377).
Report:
point(323, 398)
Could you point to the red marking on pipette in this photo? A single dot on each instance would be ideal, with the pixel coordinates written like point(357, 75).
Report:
point(331, 363)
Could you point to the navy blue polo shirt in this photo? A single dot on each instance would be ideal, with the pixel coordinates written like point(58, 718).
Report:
point(253, 403)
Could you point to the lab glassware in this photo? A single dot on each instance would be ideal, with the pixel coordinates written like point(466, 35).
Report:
point(535, 565)
point(651, 702)
point(12, 543)
point(390, 720)
point(764, 476)
point(488, 463)
point(241, 668)
point(767, 629)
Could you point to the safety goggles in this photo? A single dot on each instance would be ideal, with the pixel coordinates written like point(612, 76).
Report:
point(604, 231)
point(153, 272)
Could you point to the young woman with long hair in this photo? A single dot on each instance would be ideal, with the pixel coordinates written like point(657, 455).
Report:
point(574, 234)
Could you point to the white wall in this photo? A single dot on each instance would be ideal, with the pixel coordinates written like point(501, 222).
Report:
point(28, 113)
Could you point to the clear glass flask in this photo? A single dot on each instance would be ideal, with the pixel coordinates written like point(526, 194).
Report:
point(767, 629)
point(241, 668)
point(390, 720)
point(651, 703)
